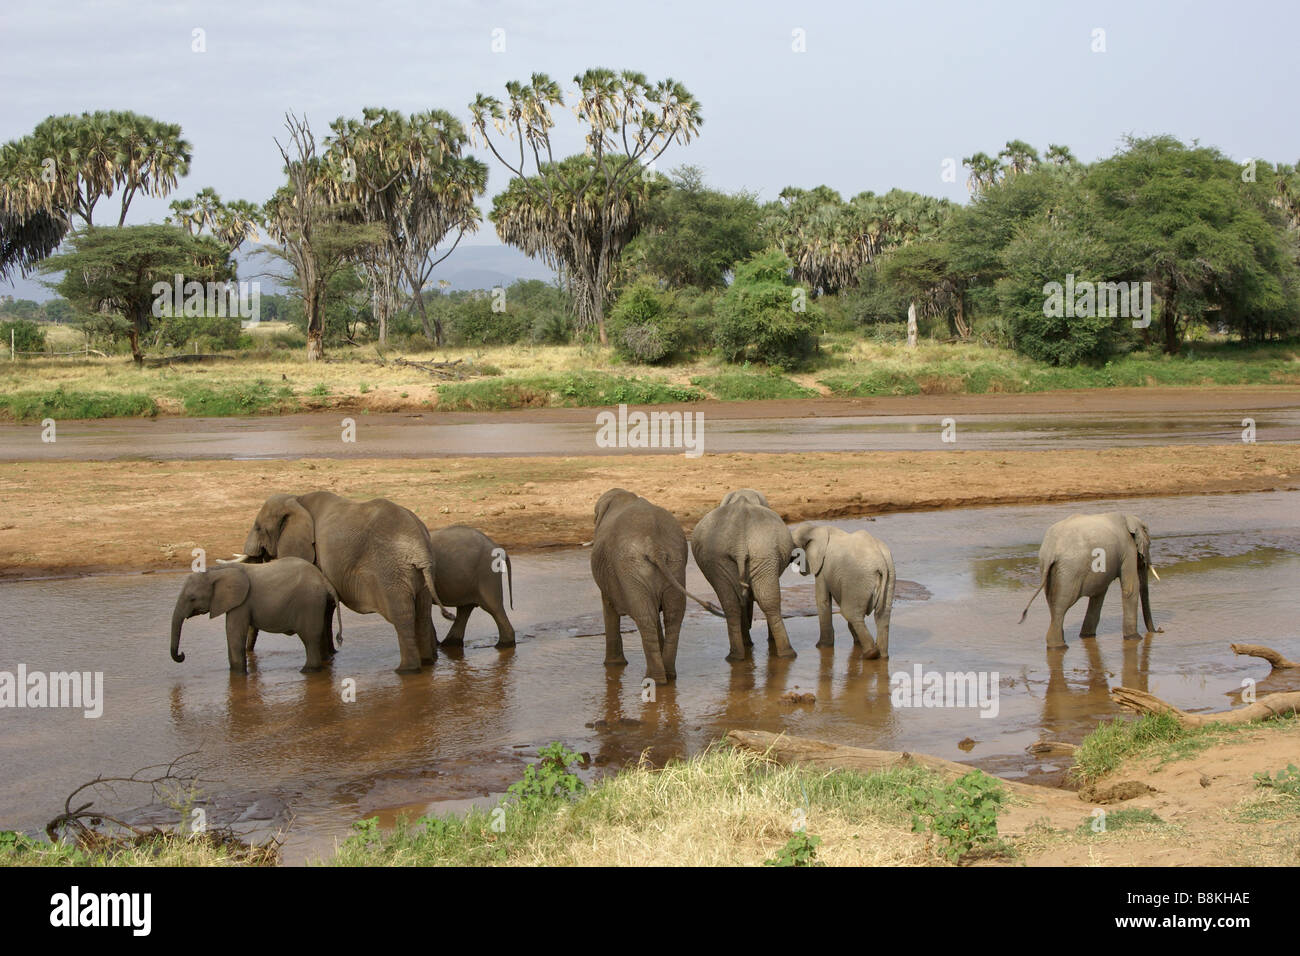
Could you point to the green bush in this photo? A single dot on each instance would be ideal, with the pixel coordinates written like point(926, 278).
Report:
point(758, 312)
point(209, 333)
point(27, 336)
point(473, 321)
point(644, 326)
point(743, 386)
point(67, 405)
point(963, 814)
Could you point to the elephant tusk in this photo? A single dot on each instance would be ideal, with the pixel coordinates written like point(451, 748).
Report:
point(237, 559)
point(1153, 572)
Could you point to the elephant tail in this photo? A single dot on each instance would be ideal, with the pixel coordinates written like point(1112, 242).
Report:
point(427, 571)
point(707, 605)
point(338, 611)
point(1041, 584)
point(510, 581)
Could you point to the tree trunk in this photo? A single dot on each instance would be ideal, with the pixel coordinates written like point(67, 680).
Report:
point(431, 332)
point(1271, 705)
point(136, 325)
point(911, 325)
point(315, 326)
point(963, 329)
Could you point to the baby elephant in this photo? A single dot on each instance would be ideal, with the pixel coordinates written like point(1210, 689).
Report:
point(469, 568)
point(857, 571)
point(285, 596)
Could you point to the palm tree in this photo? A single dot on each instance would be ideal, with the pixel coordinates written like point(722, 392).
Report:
point(985, 171)
point(1019, 156)
point(1060, 155)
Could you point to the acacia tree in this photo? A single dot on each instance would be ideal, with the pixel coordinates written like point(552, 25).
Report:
point(318, 230)
point(408, 175)
point(115, 270)
point(630, 122)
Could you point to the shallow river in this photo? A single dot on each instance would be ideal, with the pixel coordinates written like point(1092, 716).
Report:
point(462, 729)
point(401, 435)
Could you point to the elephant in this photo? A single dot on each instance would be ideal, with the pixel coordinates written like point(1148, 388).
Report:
point(467, 577)
point(638, 560)
point(377, 555)
point(743, 546)
point(1080, 556)
point(857, 571)
point(287, 596)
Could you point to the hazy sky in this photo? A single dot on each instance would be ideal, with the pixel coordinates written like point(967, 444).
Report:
point(882, 95)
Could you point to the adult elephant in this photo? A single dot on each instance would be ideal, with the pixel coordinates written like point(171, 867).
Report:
point(742, 546)
point(1080, 556)
point(638, 560)
point(376, 554)
point(469, 575)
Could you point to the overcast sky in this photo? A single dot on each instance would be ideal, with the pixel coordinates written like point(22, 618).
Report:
point(883, 94)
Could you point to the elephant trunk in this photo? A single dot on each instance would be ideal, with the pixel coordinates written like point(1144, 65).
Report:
point(178, 618)
point(1145, 595)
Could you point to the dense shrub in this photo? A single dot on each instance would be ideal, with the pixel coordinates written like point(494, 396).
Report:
point(644, 325)
point(209, 333)
point(474, 321)
point(27, 336)
point(758, 312)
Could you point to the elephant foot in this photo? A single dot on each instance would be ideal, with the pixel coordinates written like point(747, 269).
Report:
point(1085, 637)
point(671, 675)
point(305, 669)
point(502, 642)
point(659, 679)
point(1133, 637)
point(788, 654)
point(735, 658)
point(408, 669)
point(826, 642)
point(615, 661)
point(424, 661)
point(453, 640)
point(1058, 646)
point(872, 655)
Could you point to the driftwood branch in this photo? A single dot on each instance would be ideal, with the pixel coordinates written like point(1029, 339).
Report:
point(1267, 707)
point(1259, 650)
point(816, 753)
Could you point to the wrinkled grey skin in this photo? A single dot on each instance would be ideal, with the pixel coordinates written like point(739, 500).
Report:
point(743, 546)
point(466, 580)
point(288, 596)
point(856, 570)
point(1066, 569)
point(638, 560)
point(376, 554)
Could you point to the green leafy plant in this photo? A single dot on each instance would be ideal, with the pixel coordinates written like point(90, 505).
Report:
point(1287, 781)
point(799, 850)
point(962, 815)
point(548, 780)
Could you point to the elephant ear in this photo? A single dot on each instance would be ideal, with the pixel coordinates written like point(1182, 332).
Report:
point(297, 533)
point(815, 550)
point(229, 590)
point(607, 499)
point(1139, 532)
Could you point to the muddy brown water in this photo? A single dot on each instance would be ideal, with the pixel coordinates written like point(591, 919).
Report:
point(404, 435)
point(281, 750)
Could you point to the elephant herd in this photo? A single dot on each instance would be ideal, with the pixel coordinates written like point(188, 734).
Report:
point(307, 554)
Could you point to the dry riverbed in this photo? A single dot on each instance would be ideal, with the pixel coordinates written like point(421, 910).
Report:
point(84, 517)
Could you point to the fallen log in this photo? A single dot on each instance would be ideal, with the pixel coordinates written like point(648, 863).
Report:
point(1259, 650)
point(785, 749)
point(1267, 707)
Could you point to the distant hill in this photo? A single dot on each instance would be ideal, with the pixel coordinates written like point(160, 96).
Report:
point(469, 267)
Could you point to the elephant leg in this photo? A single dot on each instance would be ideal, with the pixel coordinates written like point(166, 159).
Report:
point(237, 628)
point(767, 591)
point(400, 613)
point(613, 637)
point(250, 639)
point(746, 615)
point(674, 610)
point(426, 637)
point(457, 633)
point(857, 621)
point(725, 581)
point(1058, 603)
point(495, 605)
point(1128, 580)
point(1092, 616)
point(825, 622)
point(648, 623)
point(311, 642)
